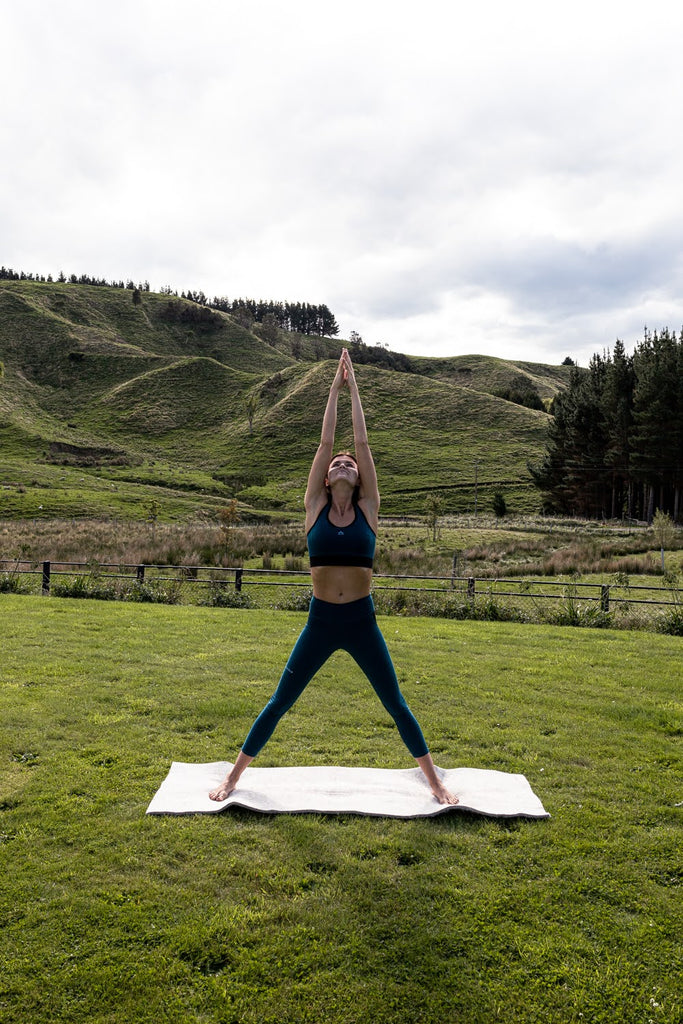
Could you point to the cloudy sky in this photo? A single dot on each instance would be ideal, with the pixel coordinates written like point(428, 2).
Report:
point(449, 176)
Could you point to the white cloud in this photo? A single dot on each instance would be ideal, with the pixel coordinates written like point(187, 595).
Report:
point(449, 178)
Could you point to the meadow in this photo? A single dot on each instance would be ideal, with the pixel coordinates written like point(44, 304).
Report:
point(108, 915)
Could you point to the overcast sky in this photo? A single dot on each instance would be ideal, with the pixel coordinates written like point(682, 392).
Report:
point(450, 177)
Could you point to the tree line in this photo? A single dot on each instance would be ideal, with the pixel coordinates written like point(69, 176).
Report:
point(615, 442)
point(7, 274)
point(297, 317)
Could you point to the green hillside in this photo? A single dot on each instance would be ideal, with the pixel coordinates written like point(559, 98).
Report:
point(106, 406)
point(491, 375)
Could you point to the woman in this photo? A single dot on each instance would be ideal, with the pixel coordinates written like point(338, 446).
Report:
point(342, 509)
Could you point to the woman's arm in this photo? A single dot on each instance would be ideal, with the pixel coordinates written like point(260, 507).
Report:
point(369, 490)
point(316, 493)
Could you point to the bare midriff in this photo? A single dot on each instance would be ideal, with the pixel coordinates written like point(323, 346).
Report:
point(340, 584)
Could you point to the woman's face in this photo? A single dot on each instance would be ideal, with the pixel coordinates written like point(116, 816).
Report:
point(342, 467)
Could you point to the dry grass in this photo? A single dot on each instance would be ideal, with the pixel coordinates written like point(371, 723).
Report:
point(481, 547)
point(560, 548)
point(133, 543)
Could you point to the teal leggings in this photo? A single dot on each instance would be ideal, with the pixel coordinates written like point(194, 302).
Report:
point(331, 627)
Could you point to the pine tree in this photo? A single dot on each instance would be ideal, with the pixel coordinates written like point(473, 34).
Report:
point(618, 408)
point(329, 327)
point(573, 471)
point(656, 433)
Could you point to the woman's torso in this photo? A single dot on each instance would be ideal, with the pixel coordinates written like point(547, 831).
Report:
point(349, 538)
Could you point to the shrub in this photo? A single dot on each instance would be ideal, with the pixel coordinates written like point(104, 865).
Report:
point(580, 615)
point(573, 612)
point(146, 592)
point(490, 610)
point(90, 586)
point(11, 583)
point(499, 505)
point(526, 396)
point(390, 602)
point(220, 595)
point(446, 607)
point(295, 600)
point(672, 621)
point(173, 555)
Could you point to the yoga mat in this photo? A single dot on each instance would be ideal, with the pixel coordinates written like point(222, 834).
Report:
point(383, 792)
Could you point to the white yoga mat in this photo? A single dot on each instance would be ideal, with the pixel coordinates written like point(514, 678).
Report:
point(384, 792)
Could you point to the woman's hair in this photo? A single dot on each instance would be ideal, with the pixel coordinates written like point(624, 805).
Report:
point(348, 455)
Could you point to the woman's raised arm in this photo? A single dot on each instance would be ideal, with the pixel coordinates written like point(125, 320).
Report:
point(369, 490)
point(316, 493)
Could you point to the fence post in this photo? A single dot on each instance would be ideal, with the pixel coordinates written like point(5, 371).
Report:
point(238, 579)
point(604, 597)
point(454, 568)
point(46, 577)
point(470, 587)
point(141, 573)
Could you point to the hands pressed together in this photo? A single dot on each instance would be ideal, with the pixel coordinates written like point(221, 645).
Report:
point(344, 376)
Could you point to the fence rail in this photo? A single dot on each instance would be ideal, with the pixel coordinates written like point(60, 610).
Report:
point(605, 594)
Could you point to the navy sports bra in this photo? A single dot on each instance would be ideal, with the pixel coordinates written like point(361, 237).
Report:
point(341, 545)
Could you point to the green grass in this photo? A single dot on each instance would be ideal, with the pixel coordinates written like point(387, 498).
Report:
point(43, 491)
point(111, 916)
point(489, 374)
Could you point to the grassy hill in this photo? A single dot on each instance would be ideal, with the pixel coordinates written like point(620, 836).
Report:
point(106, 406)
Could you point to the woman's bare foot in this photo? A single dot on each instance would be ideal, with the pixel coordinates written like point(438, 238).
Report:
point(230, 781)
point(443, 795)
point(223, 791)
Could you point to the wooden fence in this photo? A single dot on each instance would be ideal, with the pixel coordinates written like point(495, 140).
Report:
point(604, 594)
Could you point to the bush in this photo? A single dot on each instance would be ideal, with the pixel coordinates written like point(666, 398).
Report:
point(220, 595)
point(488, 609)
point(295, 601)
point(152, 593)
point(528, 397)
point(91, 587)
point(447, 607)
point(499, 505)
point(391, 602)
point(671, 623)
point(572, 611)
point(591, 616)
point(11, 583)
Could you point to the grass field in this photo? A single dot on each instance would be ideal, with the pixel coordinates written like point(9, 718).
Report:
point(111, 916)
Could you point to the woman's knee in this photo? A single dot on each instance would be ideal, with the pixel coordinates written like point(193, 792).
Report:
point(279, 704)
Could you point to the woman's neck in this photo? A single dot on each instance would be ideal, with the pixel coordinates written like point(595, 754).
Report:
point(341, 501)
